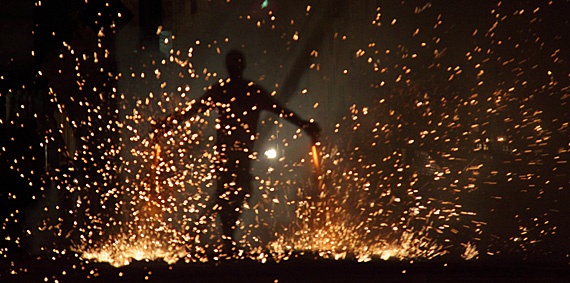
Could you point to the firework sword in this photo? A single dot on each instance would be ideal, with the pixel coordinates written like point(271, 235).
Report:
point(318, 173)
point(315, 157)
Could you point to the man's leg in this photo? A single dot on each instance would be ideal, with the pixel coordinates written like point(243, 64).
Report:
point(230, 202)
point(229, 215)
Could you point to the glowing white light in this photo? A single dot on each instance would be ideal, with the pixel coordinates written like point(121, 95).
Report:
point(271, 153)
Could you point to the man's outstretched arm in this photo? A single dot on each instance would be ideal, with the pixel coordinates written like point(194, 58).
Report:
point(311, 127)
point(172, 120)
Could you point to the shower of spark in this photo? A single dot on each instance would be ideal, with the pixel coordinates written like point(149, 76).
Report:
point(372, 201)
point(421, 166)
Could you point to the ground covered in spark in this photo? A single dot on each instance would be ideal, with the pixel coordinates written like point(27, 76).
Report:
point(301, 268)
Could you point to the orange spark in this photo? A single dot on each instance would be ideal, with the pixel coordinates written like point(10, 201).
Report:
point(315, 157)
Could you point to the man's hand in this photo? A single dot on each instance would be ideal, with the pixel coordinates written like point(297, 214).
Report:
point(314, 130)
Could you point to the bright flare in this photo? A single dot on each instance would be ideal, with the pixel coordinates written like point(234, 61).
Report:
point(271, 153)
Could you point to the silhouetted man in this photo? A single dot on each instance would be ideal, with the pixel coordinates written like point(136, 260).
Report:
point(239, 103)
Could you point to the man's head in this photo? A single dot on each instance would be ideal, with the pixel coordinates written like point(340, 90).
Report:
point(235, 62)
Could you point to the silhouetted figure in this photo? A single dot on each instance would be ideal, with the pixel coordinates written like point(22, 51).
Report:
point(239, 103)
